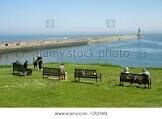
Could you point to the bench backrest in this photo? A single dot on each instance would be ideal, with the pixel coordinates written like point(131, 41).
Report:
point(132, 76)
point(143, 77)
point(85, 72)
point(52, 71)
point(18, 67)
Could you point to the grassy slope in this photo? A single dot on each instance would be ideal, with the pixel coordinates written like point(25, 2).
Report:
point(33, 91)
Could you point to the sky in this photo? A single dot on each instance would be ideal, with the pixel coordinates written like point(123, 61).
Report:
point(79, 16)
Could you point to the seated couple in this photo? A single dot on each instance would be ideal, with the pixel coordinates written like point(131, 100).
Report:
point(144, 71)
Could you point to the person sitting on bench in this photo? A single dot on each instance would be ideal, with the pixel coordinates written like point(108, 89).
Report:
point(26, 64)
point(146, 72)
point(18, 62)
point(126, 70)
point(124, 74)
point(29, 71)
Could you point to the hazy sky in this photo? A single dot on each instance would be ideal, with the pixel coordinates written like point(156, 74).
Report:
point(30, 16)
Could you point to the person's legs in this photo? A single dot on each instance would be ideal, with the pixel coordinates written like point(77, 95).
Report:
point(39, 66)
point(65, 75)
point(62, 75)
point(34, 65)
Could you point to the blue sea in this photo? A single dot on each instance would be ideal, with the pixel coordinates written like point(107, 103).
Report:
point(145, 52)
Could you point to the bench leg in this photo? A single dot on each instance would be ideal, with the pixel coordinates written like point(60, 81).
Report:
point(75, 78)
point(121, 83)
point(96, 80)
point(148, 85)
point(131, 83)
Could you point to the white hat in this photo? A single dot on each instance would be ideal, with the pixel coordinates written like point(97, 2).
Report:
point(39, 55)
point(126, 69)
point(144, 70)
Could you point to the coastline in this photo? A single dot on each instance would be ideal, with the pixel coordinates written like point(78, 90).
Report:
point(31, 45)
point(90, 64)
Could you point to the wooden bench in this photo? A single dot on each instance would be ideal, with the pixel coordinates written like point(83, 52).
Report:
point(135, 78)
point(51, 72)
point(19, 69)
point(86, 73)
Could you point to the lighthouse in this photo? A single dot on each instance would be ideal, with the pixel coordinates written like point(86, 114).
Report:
point(139, 35)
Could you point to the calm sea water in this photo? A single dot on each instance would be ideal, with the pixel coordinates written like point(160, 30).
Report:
point(146, 52)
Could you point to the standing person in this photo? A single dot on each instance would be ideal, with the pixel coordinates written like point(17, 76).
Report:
point(39, 61)
point(35, 62)
point(62, 71)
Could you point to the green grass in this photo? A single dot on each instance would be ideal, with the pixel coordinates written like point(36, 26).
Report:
point(34, 91)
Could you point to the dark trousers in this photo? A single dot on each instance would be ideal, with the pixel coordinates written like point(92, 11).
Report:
point(40, 65)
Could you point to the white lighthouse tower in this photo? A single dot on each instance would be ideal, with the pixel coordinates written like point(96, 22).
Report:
point(139, 34)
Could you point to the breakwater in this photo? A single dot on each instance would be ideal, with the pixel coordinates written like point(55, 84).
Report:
point(46, 44)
